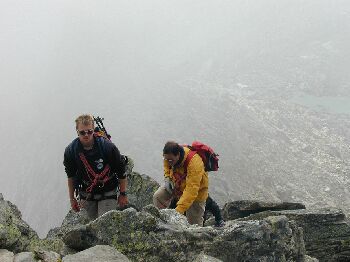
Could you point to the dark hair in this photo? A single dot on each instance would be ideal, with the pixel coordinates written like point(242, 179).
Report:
point(171, 147)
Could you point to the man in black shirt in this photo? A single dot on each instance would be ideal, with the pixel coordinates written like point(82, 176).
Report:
point(95, 170)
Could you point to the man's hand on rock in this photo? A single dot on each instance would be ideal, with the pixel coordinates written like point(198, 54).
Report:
point(74, 204)
point(122, 201)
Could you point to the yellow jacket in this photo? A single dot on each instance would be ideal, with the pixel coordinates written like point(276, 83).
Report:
point(195, 186)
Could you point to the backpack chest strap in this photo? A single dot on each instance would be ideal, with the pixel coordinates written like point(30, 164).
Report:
point(96, 178)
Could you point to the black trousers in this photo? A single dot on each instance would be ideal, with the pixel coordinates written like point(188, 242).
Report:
point(212, 207)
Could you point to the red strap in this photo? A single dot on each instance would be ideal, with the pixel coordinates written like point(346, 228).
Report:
point(181, 177)
point(96, 177)
point(188, 159)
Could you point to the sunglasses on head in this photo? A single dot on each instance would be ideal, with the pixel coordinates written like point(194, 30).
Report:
point(85, 132)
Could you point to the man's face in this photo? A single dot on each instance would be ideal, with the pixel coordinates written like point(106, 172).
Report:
point(86, 134)
point(171, 159)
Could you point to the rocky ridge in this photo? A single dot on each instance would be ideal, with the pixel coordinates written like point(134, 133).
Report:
point(254, 231)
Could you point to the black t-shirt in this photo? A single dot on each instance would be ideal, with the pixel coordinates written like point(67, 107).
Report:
point(103, 152)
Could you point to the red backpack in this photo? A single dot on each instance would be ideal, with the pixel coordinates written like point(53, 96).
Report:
point(209, 157)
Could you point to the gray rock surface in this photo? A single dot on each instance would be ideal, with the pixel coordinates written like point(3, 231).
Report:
point(25, 257)
point(143, 236)
point(72, 220)
point(326, 231)
point(140, 190)
point(140, 194)
point(6, 256)
point(243, 208)
point(99, 253)
point(15, 234)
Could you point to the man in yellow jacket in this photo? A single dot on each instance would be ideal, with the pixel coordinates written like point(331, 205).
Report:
point(185, 180)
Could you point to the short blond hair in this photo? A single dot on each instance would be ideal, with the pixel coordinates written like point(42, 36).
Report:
point(85, 119)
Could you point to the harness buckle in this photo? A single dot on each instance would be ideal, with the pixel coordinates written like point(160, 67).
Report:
point(89, 196)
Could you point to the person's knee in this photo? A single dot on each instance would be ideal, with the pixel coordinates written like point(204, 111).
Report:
point(155, 200)
point(161, 198)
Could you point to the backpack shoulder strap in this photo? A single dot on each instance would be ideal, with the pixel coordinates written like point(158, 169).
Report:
point(102, 148)
point(188, 159)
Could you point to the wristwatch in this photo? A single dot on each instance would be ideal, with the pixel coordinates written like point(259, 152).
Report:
point(122, 193)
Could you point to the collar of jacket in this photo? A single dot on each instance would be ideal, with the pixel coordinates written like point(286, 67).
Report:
point(81, 148)
point(181, 159)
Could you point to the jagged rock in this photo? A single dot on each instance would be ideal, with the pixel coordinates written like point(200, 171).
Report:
point(6, 256)
point(15, 234)
point(140, 190)
point(140, 194)
point(173, 218)
point(24, 257)
point(71, 221)
point(50, 244)
point(99, 253)
point(271, 239)
point(53, 240)
point(243, 208)
point(119, 225)
point(1, 197)
point(326, 232)
point(142, 236)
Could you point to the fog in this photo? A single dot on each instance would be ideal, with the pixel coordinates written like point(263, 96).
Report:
point(265, 83)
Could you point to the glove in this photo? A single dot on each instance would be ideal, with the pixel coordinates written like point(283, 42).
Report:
point(122, 201)
point(169, 185)
point(74, 205)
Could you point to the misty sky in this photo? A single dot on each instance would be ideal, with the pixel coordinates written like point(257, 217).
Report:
point(142, 65)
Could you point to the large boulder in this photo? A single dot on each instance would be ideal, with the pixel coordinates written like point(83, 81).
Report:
point(72, 220)
point(326, 231)
point(15, 234)
point(140, 194)
point(156, 236)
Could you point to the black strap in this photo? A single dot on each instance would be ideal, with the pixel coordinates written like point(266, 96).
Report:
point(92, 197)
